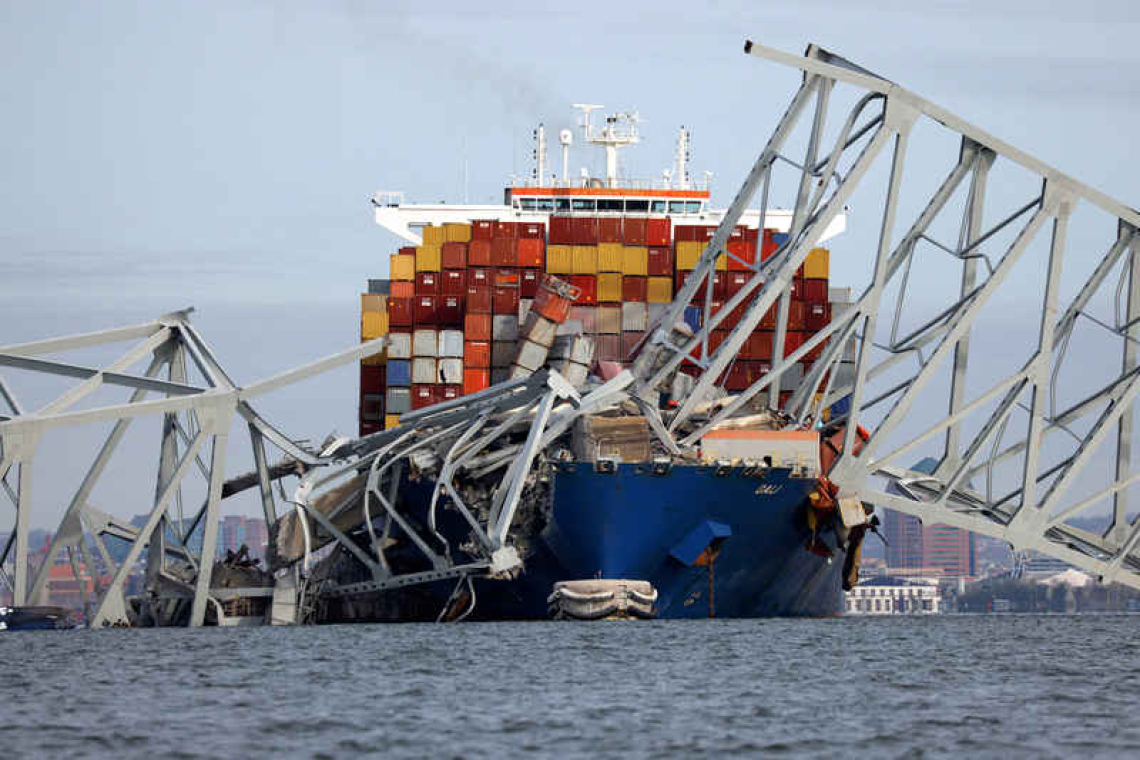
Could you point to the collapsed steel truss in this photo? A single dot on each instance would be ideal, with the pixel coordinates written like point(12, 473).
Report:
point(193, 415)
point(1032, 514)
point(460, 434)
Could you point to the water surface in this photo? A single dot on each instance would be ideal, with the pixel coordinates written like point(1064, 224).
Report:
point(965, 686)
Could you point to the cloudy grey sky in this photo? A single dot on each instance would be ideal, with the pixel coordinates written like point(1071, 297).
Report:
point(157, 155)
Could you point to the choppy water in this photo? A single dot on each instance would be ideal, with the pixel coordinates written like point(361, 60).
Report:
point(1010, 686)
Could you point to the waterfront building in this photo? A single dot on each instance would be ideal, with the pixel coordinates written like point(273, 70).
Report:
point(886, 595)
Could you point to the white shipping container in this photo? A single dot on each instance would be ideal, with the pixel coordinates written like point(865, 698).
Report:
point(608, 320)
point(791, 378)
point(839, 295)
point(504, 327)
point(423, 371)
point(787, 448)
point(530, 355)
point(538, 329)
point(425, 343)
point(451, 344)
point(574, 373)
point(586, 316)
point(516, 372)
point(499, 374)
point(656, 310)
point(524, 308)
point(634, 317)
point(451, 371)
point(400, 345)
point(571, 327)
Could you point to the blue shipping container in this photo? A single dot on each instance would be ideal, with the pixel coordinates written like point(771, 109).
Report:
point(399, 373)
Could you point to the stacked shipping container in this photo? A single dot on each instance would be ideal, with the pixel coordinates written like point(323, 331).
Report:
point(456, 312)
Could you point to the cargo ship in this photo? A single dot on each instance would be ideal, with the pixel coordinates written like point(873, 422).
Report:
point(743, 525)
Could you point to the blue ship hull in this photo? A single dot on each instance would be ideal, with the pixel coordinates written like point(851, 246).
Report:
point(634, 524)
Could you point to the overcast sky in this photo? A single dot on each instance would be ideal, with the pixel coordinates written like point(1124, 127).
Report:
point(158, 155)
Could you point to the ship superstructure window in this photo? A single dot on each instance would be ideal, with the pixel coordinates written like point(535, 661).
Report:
point(637, 207)
point(584, 204)
point(659, 207)
point(545, 204)
point(676, 207)
point(610, 204)
point(693, 207)
point(527, 204)
point(561, 204)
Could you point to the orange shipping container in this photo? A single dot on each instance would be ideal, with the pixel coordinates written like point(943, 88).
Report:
point(475, 380)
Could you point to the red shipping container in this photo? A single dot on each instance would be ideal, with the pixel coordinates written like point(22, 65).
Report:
point(768, 321)
point(477, 354)
point(368, 427)
point(633, 230)
point(588, 284)
point(480, 276)
point(508, 230)
point(400, 312)
point(454, 255)
point(371, 378)
point(741, 249)
point(660, 259)
point(475, 380)
point(657, 232)
point(607, 348)
point(454, 282)
point(751, 234)
point(815, 291)
point(450, 392)
point(797, 315)
point(561, 230)
point(530, 230)
point(479, 299)
point(528, 281)
point(427, 283)
point(482, 229)
point(629, 341)
point(479, 253)
point(506, 277)
point(816, 352)
point(818, 316)
point(505, 300)
point(704, 233)
point(449, 311)
point(634, 288)
point(609, 229)
point(585, 230)
point(531, 253)
point(734, 282)
point(552, 306)
point(408, 250)
point(736, 235)
point(793, 339)
point(684, 233)
point(797, 288)
point(477, 326)
point(424, 309)
point(403, 289)
point(769, 246)
point(423, 395)
point(760, 345)
point(504, 252)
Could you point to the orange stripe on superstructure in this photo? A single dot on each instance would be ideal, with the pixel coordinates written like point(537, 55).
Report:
point(612, 192)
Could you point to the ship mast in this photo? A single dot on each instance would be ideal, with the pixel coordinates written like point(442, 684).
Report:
point(681, 161)
point(619, 131)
